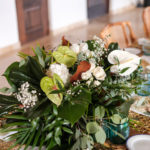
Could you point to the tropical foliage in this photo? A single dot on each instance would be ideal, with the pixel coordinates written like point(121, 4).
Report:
point(59, 99)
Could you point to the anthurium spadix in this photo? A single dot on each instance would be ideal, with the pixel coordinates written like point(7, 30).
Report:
point(51, 84)
point(123, 63)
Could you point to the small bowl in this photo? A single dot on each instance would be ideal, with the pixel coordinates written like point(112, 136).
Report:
point(139, 142)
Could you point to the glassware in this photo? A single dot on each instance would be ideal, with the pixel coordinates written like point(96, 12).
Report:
point(145, 87)
point(146, 49)
point(114, 130)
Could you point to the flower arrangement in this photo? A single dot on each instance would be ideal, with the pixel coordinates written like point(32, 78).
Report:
point(59, 98)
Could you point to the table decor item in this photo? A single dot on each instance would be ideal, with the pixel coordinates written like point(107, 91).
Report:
point(141, 105)
point(139, 142)
point(145, 86)
point(117, 131)
point(145, 43)
point(132, 50)
point(60, 98)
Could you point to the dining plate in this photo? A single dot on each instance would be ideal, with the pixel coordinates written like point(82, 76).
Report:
point(132, 50)
point(139, 142)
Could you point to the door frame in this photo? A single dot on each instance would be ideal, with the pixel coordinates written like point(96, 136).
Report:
point(21, 20)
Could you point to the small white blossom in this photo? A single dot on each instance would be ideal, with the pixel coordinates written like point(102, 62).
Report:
point(26, 97)
point(83, 47)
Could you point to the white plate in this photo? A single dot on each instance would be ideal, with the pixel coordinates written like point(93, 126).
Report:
point(131, 50)
point(139, 142)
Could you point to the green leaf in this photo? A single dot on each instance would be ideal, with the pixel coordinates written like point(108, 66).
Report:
point(125, 107)
point(35, 68)
point(100, 136)
point(20, 140)
point(70, 112)
point(99, 112)
point(23, 55)
point(20, 117)
point(49, 135)
point(52, 144)
point(57, 140)
point(13, 66)
point(55, 111)
point(9, 100)
point(40, 55)
point(22, 63)
point(124, 70)
point(113, 46)
point(42, 140)
point(92, 127)
point(30, 139)
point(73, 112)
point(58, 131)
point(67, 130)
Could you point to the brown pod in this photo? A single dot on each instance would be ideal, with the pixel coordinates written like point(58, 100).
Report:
point(82, 67)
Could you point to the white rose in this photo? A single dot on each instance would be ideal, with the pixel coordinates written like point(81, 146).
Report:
point(83, 47)
point(99, 73)
point(126, 60)
point(75, 48)
point(61, 70)
point(96, 83)
point(86, 75)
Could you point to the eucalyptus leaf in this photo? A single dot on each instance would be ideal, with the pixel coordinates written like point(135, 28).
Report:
point(92, 127)
point(100, 136)
point(99, 112)
point(116, 119)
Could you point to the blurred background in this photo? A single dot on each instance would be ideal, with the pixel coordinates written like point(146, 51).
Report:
point(23, 21)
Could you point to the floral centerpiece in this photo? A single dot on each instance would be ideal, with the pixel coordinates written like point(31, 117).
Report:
point(60, 98)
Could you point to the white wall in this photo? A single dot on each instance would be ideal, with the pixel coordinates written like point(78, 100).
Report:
point(66, 12)
point(8, 23)
point(119, 4)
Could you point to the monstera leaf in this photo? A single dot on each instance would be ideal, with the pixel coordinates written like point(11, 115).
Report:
point(64, 55)
point(50, 84)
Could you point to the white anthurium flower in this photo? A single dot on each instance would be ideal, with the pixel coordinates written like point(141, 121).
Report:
point(99, 73)
point(86, 75)
point(75, 48)
point(123, 60)
point(83, 47)
point(62, 71)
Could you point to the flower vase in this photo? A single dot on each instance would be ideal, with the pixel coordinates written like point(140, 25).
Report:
point(117, 133)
